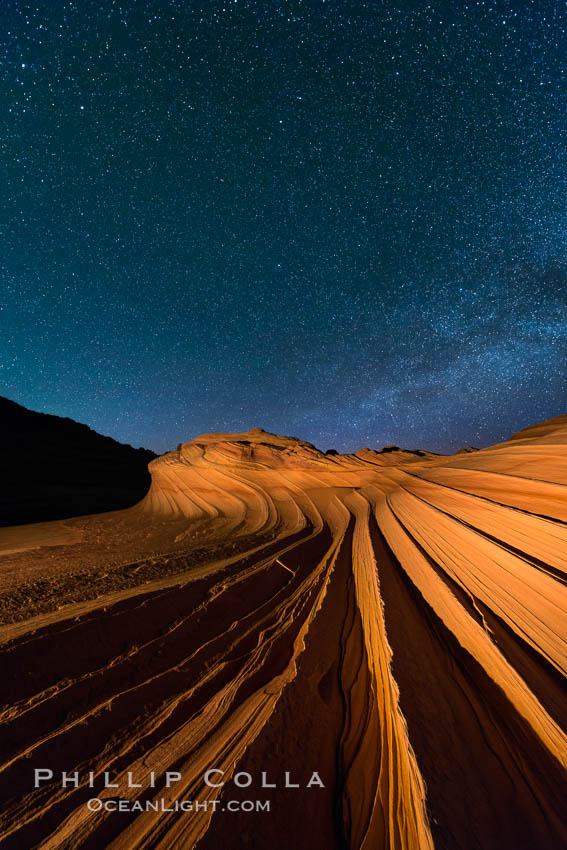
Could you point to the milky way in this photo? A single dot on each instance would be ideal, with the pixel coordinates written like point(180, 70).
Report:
point(341, 220)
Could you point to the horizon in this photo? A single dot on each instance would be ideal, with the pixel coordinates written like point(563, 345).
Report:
point(352, 450)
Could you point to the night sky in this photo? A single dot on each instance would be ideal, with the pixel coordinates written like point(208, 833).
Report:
point(343, 221)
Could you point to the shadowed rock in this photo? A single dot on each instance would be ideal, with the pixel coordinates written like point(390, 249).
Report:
point(74, 470)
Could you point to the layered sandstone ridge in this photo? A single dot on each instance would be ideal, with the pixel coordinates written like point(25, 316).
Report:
point(393, 620)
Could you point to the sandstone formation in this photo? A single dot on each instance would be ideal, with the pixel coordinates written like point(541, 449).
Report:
point(394, 621)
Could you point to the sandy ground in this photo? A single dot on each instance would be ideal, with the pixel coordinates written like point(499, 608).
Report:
point(394, 622)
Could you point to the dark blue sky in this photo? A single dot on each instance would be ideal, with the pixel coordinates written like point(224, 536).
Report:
point(339, 220)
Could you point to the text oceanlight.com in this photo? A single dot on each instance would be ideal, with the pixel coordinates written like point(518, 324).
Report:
point(163, 805)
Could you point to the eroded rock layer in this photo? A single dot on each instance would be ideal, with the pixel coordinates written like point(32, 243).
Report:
point(391, 621)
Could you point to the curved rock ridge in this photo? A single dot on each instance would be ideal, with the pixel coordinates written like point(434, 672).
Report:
point(256, 447)
point(552, 430)
point(392, 623)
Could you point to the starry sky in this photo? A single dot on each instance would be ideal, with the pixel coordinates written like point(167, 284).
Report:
point(339, 220)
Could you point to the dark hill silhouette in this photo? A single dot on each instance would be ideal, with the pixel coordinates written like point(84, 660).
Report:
point(53, 467)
